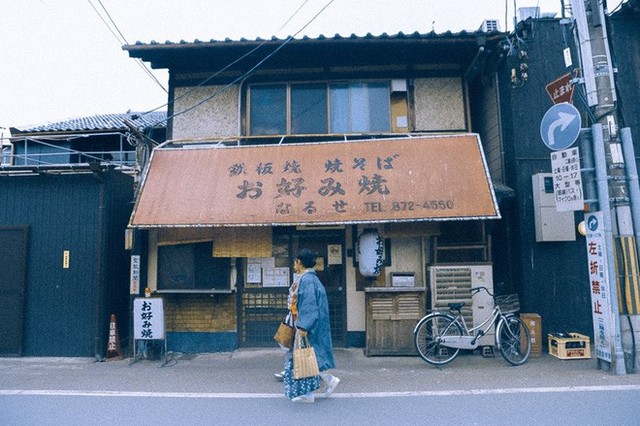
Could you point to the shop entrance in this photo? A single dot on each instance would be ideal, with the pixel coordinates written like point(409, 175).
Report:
point(261, 308)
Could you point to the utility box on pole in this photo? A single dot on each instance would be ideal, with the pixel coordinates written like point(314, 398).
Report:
point(551, 224)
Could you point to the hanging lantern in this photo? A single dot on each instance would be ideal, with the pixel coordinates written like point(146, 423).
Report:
point(370, 252)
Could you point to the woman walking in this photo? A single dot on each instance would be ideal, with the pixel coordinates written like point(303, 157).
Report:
point(310, 308)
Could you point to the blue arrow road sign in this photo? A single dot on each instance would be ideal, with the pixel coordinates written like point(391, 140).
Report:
point(560, 126)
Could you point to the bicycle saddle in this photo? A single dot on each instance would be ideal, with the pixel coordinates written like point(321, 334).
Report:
point(456, 306)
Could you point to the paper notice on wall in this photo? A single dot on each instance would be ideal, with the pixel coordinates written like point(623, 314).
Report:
point(334, 254)
point(276, 277)
point(254, 272)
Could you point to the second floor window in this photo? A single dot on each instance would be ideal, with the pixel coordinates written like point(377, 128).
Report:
point(319, 108)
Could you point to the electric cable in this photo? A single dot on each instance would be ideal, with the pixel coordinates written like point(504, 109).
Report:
point(618, 7)
point(206, 80)
point(122, 40)
point(250, 71)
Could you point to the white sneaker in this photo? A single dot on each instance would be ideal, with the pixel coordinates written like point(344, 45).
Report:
point(307, 398)
point(279, 376)
point(331, 386)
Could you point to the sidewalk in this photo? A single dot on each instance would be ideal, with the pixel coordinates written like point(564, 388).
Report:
point(251, 371)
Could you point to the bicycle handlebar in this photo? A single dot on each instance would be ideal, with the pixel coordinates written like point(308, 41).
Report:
point(475, 290)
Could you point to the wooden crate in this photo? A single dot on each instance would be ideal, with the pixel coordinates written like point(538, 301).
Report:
point(573, 346)
point(392, 314)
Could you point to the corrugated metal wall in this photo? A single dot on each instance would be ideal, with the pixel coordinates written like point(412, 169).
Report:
point(66, 307)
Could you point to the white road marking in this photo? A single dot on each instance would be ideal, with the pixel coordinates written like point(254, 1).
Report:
point(224, 395)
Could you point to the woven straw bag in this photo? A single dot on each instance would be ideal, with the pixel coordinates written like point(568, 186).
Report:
point(305, 363)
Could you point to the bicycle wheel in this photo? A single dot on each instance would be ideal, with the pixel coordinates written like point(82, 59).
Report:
point(514, 340)
point(427, 336)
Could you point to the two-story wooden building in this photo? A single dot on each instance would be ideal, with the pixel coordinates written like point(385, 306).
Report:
point(382, 153)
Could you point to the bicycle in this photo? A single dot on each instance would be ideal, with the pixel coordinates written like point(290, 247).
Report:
point(439, 336)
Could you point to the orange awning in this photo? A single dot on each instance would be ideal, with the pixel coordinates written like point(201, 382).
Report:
point(372, 181)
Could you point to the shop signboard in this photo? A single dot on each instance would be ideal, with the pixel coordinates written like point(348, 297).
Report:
point(400, 179)
point(148, 318)
point(599, 284)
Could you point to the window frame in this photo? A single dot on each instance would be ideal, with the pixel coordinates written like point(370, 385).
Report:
point(195, 262)
point(328, 90)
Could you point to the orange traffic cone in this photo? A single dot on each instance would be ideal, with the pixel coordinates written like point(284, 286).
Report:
point(113, 346)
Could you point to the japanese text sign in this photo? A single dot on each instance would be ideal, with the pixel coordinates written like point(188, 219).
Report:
point(567, 180)
point(561, 89)
point(437, 177)
point(148, 318)
point(599, 284)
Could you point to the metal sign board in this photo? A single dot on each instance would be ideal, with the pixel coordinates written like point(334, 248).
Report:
point(567, 180)
point(561, 89)
point(400, 179)
point(148, 318)
point(599, 283)
point(560, 126)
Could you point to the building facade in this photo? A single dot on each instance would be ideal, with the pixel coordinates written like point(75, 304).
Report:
point(66, 191)
point(359, 148)
point(551, 270)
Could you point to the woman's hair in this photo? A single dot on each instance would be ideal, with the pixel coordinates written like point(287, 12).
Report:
point(307, 258)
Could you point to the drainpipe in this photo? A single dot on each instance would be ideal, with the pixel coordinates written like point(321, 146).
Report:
point(240, 107)
point(632, 178)
point(634, 197)
point(99, 284)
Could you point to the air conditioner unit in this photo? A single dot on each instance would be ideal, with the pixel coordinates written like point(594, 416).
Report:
point(490, 25)
point(451, 284)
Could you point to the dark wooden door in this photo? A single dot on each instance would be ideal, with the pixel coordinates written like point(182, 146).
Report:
point(13, 261)
point(331, 271)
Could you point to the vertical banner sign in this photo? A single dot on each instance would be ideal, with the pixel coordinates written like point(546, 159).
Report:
point(599, 284)
point(148, 318)
point(567, 180)
point(134, 287)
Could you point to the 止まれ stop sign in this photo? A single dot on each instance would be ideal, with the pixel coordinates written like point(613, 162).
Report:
point(561, 89)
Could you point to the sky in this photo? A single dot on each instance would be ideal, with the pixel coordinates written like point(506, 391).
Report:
point(60, 60)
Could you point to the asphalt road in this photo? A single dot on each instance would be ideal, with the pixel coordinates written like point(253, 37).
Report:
point(239, 388)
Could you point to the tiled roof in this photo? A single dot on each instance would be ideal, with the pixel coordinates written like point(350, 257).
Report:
point(100, 122)
point(384, 36)
point(329, 52)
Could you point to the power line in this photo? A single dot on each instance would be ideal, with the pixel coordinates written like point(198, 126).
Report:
point(206, 80)
point(122, 40)
point(203, 82)
point(248, 73)
point(112, 21)
point(294, 14)
point(226, 67)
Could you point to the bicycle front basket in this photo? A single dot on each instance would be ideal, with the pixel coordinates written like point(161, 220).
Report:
point(509, 303)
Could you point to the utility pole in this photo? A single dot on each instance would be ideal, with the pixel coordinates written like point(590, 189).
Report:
point(601, 98)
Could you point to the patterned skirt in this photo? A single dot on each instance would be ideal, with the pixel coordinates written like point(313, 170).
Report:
point(292, 387)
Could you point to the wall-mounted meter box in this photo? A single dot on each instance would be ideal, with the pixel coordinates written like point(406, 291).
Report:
point(551, 225)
